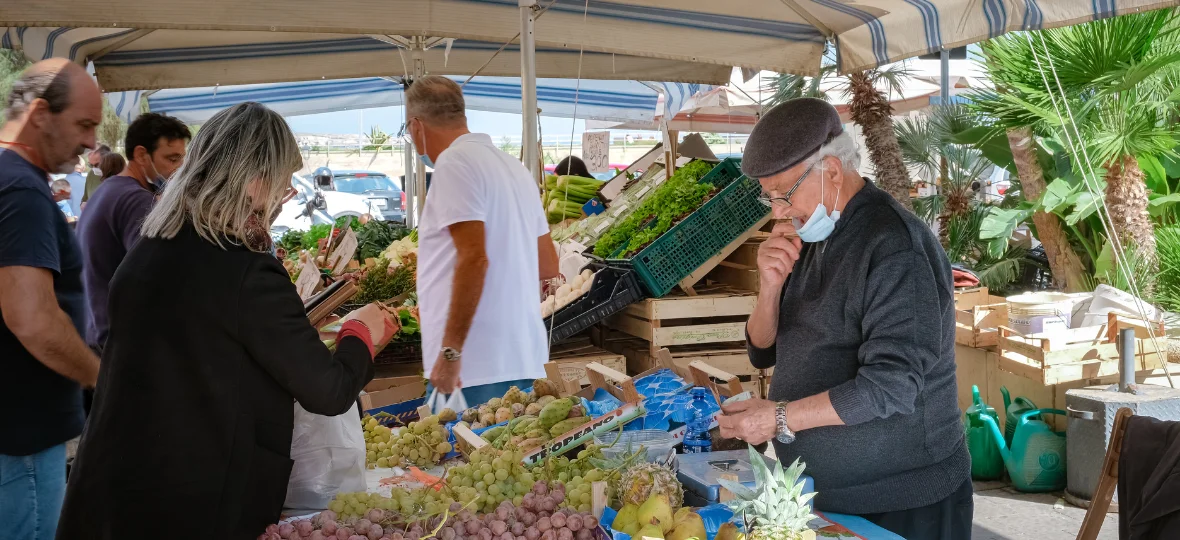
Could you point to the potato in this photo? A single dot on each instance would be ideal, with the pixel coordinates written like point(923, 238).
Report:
point(587, 274)
point(586, 286)
point(576, 283)
point(563, 290)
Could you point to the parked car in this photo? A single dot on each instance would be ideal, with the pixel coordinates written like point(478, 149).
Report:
point(297, 214)
point(604, 176)
point(386, 197)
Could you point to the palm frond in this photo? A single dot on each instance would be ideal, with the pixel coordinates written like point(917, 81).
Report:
point(919, 146)
point(929, 207)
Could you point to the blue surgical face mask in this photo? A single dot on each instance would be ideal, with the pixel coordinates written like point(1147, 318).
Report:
point(424, 157)
point(820, 225)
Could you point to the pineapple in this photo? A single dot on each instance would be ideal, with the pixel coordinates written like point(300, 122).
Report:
point(777, 508)
point(642, 481)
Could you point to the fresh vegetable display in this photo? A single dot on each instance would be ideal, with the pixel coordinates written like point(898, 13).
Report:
point(375, 236)
point(514, 404)
point(565, 195)
point(568, 293)
point(674, 199)
point(384, 280)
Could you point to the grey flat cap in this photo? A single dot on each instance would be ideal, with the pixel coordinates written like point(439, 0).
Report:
point(788, 134)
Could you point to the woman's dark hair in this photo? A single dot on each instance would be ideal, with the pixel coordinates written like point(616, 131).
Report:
point(111, 164)
point(572, 166)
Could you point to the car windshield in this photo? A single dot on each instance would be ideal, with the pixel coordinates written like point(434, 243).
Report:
point(361, 184)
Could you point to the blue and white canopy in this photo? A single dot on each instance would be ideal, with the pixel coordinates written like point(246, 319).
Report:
point(185, 43)
point(619, 101)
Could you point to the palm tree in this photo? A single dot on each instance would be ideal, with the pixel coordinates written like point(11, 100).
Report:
point(870, 109)
point(1110, 85)
point(1010, 64)
point(928, 146)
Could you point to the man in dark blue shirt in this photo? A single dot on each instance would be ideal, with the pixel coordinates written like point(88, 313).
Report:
point(52, 111)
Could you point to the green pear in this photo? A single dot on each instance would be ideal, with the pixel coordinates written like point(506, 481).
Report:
point(691, 526)
point(728, 531)
point(628, 515)
point(657, 510)
point(649, 531)
point(630, 528)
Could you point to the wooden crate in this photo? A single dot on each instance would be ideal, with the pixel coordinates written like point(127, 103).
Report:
point(715, 315)
point(978, 316)
point(1077, 354)
point(981, 367)
point(570, 361)
point(727, 359)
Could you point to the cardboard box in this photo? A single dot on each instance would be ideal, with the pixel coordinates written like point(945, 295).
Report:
point(392, 390)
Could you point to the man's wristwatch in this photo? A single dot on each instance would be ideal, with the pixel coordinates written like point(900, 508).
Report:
point(782, 433)
point(450, 354)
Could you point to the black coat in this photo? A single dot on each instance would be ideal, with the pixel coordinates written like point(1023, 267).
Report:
point(1149, 480)
point(190, 433)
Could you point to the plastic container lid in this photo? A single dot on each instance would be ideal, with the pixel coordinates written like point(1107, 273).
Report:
point(657, 442)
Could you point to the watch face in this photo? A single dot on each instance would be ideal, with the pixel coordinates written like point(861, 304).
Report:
point(449, 353)
point(785, 438)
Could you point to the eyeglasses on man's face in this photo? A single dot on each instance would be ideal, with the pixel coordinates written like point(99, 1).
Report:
point(769, 201)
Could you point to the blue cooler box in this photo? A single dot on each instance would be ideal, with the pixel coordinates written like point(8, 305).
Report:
point(699, 474)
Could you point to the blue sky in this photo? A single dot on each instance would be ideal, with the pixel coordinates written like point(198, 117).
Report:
point(389, 119)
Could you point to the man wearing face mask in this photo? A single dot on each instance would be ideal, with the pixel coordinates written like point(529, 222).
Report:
point(94, 173)
point(155, 146)
point(483, 248)
point(856, 315)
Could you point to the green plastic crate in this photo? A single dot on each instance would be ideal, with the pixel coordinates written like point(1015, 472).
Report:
point(704, 233)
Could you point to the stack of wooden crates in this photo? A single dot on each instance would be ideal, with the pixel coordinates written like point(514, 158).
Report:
point(1040, 367)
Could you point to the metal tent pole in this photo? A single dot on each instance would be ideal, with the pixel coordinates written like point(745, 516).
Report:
point(419, 66)
point(528, 88)
point(944, 61)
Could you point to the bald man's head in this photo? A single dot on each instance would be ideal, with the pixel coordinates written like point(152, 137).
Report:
point(58, 106)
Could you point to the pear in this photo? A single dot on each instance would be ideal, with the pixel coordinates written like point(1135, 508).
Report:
point(728, 531)
point(681, 515)
point(649, 531)
point(690, 526)
point(656, 510)
point(628, 515)
point(630, 528)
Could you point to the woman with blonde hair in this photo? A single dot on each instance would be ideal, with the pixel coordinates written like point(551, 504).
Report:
point(209, 348)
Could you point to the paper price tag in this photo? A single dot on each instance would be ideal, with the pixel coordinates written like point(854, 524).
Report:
point(602, 226)
point(343, 253)
point(643, 191)
point(309, 279)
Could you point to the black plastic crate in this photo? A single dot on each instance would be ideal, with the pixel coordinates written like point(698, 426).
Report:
point(615, 287)
point(400, 352)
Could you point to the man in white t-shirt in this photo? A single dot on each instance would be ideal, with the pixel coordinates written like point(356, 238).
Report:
point(483, 249)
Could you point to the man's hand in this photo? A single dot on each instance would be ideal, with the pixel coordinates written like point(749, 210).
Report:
point(777, 256)
point(751, 421)
point(445, 375)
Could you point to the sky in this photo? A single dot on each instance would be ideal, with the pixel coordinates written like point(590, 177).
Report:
point(389, 119)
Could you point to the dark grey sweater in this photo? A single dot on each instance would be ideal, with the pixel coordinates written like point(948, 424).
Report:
point(868, 315)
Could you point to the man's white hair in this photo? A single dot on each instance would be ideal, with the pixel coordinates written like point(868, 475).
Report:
point(843, 148)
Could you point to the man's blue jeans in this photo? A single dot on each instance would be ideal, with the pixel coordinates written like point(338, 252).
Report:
point(32, 489)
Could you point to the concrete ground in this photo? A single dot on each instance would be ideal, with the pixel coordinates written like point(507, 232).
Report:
point(1002, 513)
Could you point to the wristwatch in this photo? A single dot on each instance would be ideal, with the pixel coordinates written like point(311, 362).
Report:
point(450, 354)
point(782, 434)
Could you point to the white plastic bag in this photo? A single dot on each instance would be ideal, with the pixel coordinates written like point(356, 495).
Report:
point(438, 401)
point(329, 456)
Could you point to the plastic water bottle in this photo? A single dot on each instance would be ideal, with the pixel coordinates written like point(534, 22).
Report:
point(697, 438)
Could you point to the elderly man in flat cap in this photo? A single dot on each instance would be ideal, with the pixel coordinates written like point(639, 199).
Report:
point(856, 315)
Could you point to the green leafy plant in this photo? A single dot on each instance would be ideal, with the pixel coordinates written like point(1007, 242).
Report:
point(677, 197)
point(291, 241)
point(1167, 283)
point(380, 283)
point(373, 237)
point(313, 235)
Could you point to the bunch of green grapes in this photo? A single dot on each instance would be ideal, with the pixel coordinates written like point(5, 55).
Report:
point(407, 505)
point(377, 439)
point(490, 477)
point(575, 474)
point(422, 443)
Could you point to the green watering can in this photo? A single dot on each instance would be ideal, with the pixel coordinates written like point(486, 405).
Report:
point(986, 461)
point(1036, 458)
point(1012, 411)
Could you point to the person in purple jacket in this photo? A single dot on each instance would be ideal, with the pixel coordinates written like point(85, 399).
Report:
point(155, 146)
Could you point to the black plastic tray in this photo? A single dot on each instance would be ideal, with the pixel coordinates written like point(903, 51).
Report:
point(614, 288)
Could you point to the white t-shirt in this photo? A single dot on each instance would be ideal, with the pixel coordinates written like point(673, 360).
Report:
point(475, 181)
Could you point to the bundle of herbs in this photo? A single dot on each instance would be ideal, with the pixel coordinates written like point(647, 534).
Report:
point(380, 282)
point(673, 200)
